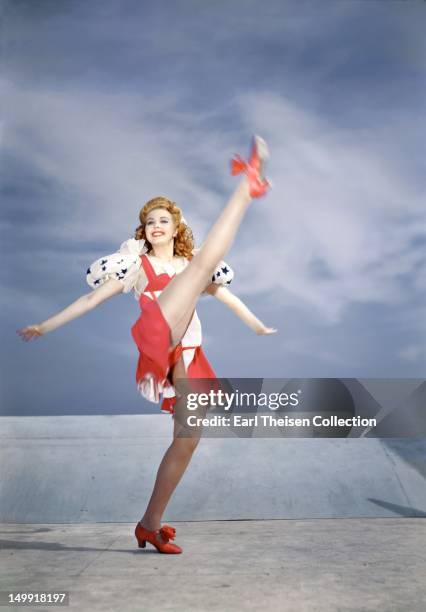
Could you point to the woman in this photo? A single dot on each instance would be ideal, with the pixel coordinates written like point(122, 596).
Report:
point(168, 333)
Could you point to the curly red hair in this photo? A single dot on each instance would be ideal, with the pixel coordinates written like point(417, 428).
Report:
point(184, 241)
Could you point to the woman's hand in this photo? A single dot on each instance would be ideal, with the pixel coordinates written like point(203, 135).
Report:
point(31, 331)
point(265, 331)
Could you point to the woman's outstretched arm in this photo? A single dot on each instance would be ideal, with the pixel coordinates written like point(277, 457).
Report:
point(83, 304)
point(236, 305)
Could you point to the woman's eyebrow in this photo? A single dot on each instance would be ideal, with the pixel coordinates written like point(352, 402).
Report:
point(153, 218)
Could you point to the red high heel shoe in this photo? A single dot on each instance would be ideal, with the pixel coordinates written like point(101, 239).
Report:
point(166, 533)
point(253, 168)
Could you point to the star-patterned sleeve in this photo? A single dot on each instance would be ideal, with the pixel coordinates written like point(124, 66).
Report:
point(223, 273)
point(124, 265)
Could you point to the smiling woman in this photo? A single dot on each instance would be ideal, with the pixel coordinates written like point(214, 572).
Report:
point(169, 243)
point(168, 276)
point(160, 220)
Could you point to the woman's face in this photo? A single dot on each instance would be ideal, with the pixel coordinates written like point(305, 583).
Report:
point(159, 227)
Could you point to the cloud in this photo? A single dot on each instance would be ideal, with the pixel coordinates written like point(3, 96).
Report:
point(344, 223)
point(333, 256)
point(413, 353)
point(106, 150)
point(339, 227)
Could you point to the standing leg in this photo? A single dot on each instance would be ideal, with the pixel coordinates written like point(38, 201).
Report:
point(172, 467)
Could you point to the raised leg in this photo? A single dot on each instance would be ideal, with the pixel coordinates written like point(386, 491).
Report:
point(179, 298)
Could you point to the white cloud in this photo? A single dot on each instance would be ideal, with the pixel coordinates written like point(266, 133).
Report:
point(112, 152)
point(341, 223)
point(338, 228)
point(413, 353)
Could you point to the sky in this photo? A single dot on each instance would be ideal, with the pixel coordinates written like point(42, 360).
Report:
point(109, 103)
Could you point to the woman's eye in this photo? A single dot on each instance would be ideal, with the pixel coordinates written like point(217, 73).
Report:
point(152, 222)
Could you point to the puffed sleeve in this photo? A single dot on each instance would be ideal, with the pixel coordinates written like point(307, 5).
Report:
point(124, 265)
point(223, 274)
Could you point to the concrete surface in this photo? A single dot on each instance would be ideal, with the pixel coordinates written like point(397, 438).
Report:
point(327, 565)
point(102, 468)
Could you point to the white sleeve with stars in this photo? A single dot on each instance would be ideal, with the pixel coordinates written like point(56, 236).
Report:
point(223, 274)
point(124, 265)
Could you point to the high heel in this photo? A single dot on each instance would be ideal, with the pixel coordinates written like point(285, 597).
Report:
point(163, 545)
point(253, 168)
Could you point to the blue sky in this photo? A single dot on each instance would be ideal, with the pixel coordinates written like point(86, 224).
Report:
point(110, 103)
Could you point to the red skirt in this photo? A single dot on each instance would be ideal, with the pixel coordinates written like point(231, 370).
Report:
point(152, 336)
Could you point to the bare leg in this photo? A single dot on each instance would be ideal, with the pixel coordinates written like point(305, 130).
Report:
point(172, 468)
point(178, 299)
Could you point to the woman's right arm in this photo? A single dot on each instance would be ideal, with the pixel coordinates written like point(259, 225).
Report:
point(83, 304)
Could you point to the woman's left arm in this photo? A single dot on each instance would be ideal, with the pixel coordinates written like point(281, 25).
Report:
point(236, 305)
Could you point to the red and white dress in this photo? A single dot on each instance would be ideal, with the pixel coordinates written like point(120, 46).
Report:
point(151, 332)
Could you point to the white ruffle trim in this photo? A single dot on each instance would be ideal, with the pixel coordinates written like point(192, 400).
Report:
point(124, 265)
point(151, 389)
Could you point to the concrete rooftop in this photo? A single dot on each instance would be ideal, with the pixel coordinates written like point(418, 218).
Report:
point(316, 565)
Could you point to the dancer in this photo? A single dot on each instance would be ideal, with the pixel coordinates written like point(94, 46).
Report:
point(168, 332)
